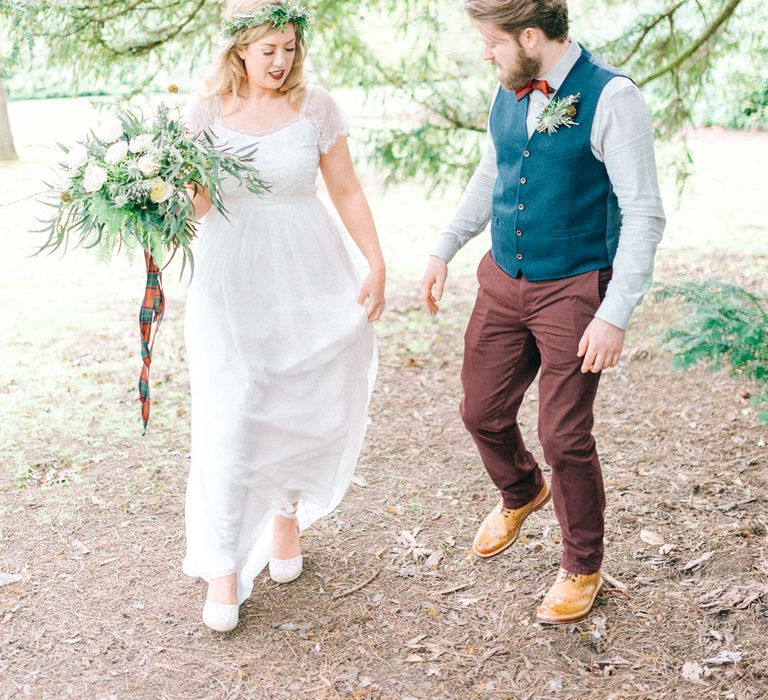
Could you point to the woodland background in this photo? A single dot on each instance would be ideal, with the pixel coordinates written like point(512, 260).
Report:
point(92, 599)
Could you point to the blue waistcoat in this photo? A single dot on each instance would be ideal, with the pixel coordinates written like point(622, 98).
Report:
point(554, 211)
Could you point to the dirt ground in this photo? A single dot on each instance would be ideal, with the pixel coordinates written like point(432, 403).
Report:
point(390, 604)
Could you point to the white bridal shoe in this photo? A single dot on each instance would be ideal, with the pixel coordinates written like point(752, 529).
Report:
point(220, 616)
point(286, 570)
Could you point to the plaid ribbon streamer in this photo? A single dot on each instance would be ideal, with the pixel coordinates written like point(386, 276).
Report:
point(152, 309)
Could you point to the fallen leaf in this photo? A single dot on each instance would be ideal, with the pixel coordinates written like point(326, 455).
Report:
point(613, 661)
point(725, 599)
point(415, 641)
point(696, 563)
point(294, 627)
point(692, 672)
point(724, 657)
point(414, 659)
point(651, 537)
point(7, 579)
point(725, 507)
point(599, 625)
point(454, 589)
point(434, 558)
point(77, 544)
point(350, 675)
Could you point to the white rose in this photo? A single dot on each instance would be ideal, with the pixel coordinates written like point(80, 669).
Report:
point(116, 152)
point(148, 166)
point(160, 191)
point(140, 144)
point(109, 130)
point(76, 156)
point(120, 200)
point(94, 178)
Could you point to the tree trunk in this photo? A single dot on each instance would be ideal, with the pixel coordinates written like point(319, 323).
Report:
point(7, 151)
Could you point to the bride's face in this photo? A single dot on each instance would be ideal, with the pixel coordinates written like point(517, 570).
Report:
point(268, 60)
point(515, 65)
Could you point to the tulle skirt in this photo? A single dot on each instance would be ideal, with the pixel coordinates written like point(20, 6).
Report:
point(282, 361)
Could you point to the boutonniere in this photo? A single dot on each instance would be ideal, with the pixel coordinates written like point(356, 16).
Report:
point(559, 112)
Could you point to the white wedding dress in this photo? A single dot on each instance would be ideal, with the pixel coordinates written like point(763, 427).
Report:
point(282, 358)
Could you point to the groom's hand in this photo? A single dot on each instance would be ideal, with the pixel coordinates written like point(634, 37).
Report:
point(433, 283)
point(600, 346)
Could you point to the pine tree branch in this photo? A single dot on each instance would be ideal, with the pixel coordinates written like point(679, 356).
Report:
point(436, 104)
point(443, 110)
point(709, 32)
point(647, 29)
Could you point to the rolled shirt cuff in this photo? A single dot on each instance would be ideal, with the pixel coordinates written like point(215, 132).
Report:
point(615, 312)
point(445, 247)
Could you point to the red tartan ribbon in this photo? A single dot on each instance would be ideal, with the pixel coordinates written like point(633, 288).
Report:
point(151, 312)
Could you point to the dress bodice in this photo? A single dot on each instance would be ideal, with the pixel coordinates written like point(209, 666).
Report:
point(287, 157)
point(287, 160)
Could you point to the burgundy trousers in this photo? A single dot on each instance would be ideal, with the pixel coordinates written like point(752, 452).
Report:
point(517, 328)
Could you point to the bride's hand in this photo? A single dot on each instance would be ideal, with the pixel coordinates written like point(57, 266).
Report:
point(372, 291)
point(201, 201)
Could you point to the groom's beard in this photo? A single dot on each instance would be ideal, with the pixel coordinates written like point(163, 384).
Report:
point(527, 68)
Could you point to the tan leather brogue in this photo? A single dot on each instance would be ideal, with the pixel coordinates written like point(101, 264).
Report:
point(502, 525)
point(570, 598)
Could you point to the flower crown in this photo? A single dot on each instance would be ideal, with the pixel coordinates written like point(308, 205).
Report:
point(278, 15)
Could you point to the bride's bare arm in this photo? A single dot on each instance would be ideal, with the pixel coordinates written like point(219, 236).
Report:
point(347, 196)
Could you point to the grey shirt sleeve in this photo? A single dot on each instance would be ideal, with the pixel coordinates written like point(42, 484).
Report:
point(474, 209)
point(622, 137)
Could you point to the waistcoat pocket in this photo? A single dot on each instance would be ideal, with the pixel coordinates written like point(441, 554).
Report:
point(565, 153)
point(571, 231)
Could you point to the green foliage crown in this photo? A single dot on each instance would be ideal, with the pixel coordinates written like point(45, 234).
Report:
point(278, 15)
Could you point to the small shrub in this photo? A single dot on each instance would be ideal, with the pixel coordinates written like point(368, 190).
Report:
point(725, 324)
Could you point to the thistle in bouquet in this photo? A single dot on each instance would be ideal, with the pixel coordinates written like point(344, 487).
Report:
point(127, 185)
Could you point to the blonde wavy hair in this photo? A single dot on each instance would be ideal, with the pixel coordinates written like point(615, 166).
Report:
point(228, 76)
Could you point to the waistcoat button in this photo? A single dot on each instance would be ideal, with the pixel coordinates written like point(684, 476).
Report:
point(523, 180)
point(518, 233)
point(526, 154)
point(519, 256)
point(521, 207)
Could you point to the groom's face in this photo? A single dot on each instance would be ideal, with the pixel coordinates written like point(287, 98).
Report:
point(515, 64)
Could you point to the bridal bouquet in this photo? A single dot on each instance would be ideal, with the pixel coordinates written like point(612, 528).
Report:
point(127, 185)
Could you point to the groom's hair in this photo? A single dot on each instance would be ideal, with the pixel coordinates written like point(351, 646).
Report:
point(512, 16)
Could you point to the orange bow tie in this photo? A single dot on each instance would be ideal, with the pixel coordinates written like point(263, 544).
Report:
point(531, 85)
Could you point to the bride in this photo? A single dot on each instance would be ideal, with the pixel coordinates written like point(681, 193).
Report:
point(281, 351)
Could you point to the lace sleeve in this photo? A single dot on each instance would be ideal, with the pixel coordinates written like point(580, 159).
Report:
point(199, 114)
point(329, 120)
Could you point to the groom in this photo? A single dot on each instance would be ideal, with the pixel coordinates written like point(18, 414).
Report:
point(568, 181)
